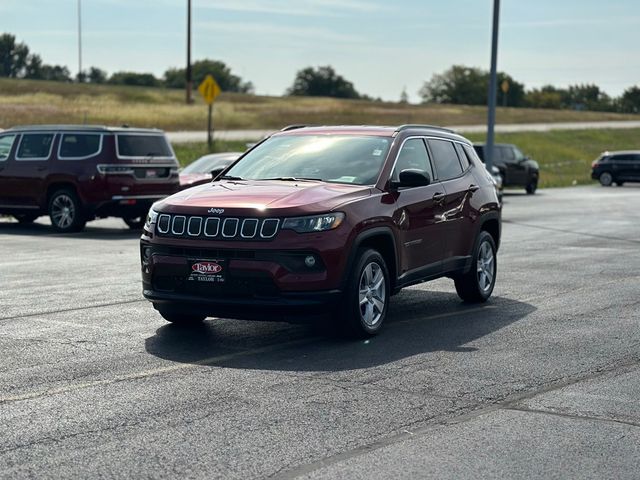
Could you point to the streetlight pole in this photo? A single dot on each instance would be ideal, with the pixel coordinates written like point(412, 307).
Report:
point(80, 76)
point(493, 87)
point(188, 71)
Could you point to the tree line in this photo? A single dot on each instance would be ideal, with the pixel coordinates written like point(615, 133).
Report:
point(16, 61)
point(457, 85)
point(470, 86)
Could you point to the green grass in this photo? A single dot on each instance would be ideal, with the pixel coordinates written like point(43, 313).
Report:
point(564, 156)
point(37, 102)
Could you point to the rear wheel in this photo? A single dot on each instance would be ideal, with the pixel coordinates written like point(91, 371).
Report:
point(477, 284)
point(65, 211)
point(176, 317)
point(367, 295)
point(606, 179)
point(26, 218)
point(134, 223)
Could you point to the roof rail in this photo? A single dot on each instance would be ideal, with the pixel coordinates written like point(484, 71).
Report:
point(417, 125)
point(293, 127)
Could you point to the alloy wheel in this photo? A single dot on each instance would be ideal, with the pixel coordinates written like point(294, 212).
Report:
point(486, 267)
point(63, 211)
point(371, 290)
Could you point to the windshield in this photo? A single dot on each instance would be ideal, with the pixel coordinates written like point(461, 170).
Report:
point(330, 158)
point(130, 145)
point(208, 163)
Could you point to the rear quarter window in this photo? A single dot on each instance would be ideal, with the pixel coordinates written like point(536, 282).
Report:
point(76, 145)
point(464, 161)
point(132, 145)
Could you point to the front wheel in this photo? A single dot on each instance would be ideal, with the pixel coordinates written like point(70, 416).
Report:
point(477, 284)
point(606, 179)
point(65, 211)
point(367, 295)
point(532, 187)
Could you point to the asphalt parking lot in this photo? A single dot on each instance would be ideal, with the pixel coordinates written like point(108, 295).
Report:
point(542, 381)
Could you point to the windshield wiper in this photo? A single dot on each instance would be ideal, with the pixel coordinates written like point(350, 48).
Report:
point(294, 179)
point(230, 177)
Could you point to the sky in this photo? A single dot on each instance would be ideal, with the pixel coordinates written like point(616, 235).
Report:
point(381, 46)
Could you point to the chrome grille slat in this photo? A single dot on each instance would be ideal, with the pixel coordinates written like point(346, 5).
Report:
point(249, 221)
point(179, 219)
point(221, 228)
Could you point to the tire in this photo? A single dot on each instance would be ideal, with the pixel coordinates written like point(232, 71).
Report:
point(174, 316)
point(66, 211)
point(477, 284)
point(367, 296)
point(531, 187)
point(26, 218)
point(134, 223)
point(606, 179)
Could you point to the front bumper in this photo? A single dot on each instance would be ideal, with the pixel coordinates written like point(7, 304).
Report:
point(261, 284)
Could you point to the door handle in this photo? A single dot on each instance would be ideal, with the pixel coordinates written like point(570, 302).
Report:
point(473, 188)
point(438, 197)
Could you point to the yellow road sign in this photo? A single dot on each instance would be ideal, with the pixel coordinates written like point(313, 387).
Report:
point(209, 89)
point(505, 86)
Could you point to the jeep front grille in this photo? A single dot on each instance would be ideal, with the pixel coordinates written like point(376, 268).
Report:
point(219, 228)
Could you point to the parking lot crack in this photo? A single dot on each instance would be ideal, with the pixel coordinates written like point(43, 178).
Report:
point(574, 416)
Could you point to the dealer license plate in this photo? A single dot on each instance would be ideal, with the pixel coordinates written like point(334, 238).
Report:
point(207, 271)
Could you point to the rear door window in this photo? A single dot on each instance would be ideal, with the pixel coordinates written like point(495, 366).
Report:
point(6, 142)
point(79, 145)
point(445, 159)
point(132, 145)
point(35, 146)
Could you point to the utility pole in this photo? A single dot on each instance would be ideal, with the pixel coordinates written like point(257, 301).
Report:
point(493, 87)
point(80, 76)
point(188, 70)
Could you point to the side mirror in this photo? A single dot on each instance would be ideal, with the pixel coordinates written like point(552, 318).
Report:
point(215, 173)
point(413, 177)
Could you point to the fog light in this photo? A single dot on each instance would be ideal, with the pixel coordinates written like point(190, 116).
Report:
point(310, 261)
point(147, 253)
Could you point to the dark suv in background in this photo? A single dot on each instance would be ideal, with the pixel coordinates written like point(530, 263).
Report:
point(330, 220)
point(617, 167)
point(78, 173)
point(516, 169)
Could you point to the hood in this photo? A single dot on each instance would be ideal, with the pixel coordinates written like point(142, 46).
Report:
point(274, 197)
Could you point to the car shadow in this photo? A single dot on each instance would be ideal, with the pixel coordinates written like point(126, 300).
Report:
point(419, 321)
point(90, 232)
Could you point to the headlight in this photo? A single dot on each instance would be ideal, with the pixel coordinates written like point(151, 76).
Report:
point(315, 223)
point(152, 218)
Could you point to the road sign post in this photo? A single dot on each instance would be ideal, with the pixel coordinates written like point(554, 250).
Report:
point(209, 89)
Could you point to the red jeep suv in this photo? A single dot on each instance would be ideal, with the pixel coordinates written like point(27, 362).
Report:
point(77, 173)
point(329, 220)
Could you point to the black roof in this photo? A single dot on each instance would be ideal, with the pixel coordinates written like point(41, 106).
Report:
point(80, 128)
